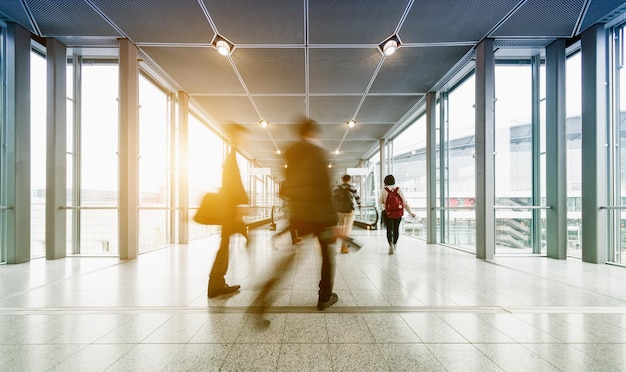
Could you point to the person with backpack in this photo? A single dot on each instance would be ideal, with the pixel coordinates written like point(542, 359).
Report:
point(393, 205)
point(345, 197)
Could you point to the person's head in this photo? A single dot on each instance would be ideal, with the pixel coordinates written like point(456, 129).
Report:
point(346, 178)
point(308, 128)
point(236, 132)
point(390, 180)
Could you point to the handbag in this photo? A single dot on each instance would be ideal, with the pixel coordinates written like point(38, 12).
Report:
point(211, 210)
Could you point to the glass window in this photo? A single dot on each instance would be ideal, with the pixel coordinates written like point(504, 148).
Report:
point(409, 162)
point(154, 164)
point(459, 167)
point(573, 128)
point(205, 158)
point(38, 130)
point(99, 163)
point(514, 157)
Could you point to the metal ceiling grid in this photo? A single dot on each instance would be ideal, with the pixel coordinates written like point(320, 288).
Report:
point(161, 22)
point(316, 57)
point(548, 19)
point(431, 21)
point(69, 18)
point(198, 70)
point(261, 22)
point(353, 22)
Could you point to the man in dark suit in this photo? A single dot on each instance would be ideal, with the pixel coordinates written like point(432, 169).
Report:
point(235, 200)
point(308, 187)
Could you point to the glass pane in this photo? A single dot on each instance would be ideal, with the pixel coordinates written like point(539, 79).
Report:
point(409, 163)
point(459, 167)
point(154, 164)
point(573, 145)
point(38, 154)
point(99, 232)
point(514, 157)
point(99, 160)
point(205, 151)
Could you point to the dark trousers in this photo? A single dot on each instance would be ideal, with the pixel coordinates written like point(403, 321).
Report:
point(220, 265)
point(320, 231)
point(393, 228)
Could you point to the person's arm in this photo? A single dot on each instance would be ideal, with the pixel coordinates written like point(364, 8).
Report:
point(406, 205)
point(382, 198)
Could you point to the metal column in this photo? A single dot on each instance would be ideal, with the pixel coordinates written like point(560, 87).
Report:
point(56, 149)
point(431, 168)
point(594, 144)
point(485, 193)
point(556, 172)
point(129, 151)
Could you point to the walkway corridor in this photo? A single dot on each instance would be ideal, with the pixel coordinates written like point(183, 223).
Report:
point(425, 308)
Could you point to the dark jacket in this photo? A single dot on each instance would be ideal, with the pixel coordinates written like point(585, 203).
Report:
point(232, 191)
point(307, 184)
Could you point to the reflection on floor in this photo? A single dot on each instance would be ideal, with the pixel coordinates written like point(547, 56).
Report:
point(425, 308)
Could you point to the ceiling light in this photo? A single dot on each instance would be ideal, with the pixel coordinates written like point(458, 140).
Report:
point(390, 45)
point(351, 123)
point(264, 123)
point(223, 46)
point(278, 152)
point(330, 165)
point(337, 152)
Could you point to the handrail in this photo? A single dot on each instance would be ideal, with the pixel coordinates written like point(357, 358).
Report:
point(366, 223)
point(78, 207)
point(618, 207)
point(469, 207)
point(5, 207)
point(522, 207)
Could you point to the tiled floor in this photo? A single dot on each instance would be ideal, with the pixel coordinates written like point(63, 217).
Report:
point(426, 308)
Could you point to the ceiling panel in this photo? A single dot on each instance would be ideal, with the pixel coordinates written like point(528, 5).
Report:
point(431, 21)
point(259, 21)
point(334, 109)
point(353, 22)
point(69, 18)
point(549, 19)
point(148, 21)
point(199, 70)
point(228, 109)
point(271, 70)
point(342, 70)
point(416, 70)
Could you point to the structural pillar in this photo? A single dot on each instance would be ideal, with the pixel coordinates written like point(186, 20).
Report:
point(56, 149)
point(18, 145)
point(128, 151)
point(594, 144)
point(431, 168)
point(183, 166)
point(484, 132)
point(556, 154)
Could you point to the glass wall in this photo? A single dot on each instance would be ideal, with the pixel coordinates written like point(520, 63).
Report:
point(37, 153)
point(457, 168)
point(155, 159)
point(573, 100)
point(99, 164)
point(515, 164)
point(409, 162)
point(617, 218)
point(206, 155)
point(3, 150)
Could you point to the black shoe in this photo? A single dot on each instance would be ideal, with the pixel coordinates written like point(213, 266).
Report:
point(226, 289)
point(321, 305)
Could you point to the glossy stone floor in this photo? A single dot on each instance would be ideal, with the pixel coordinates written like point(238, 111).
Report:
point(425, 308)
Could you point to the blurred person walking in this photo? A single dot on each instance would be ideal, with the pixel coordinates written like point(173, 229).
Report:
point(234, 203)
point(393, 205)
point(345, 198)
point(308, 188)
